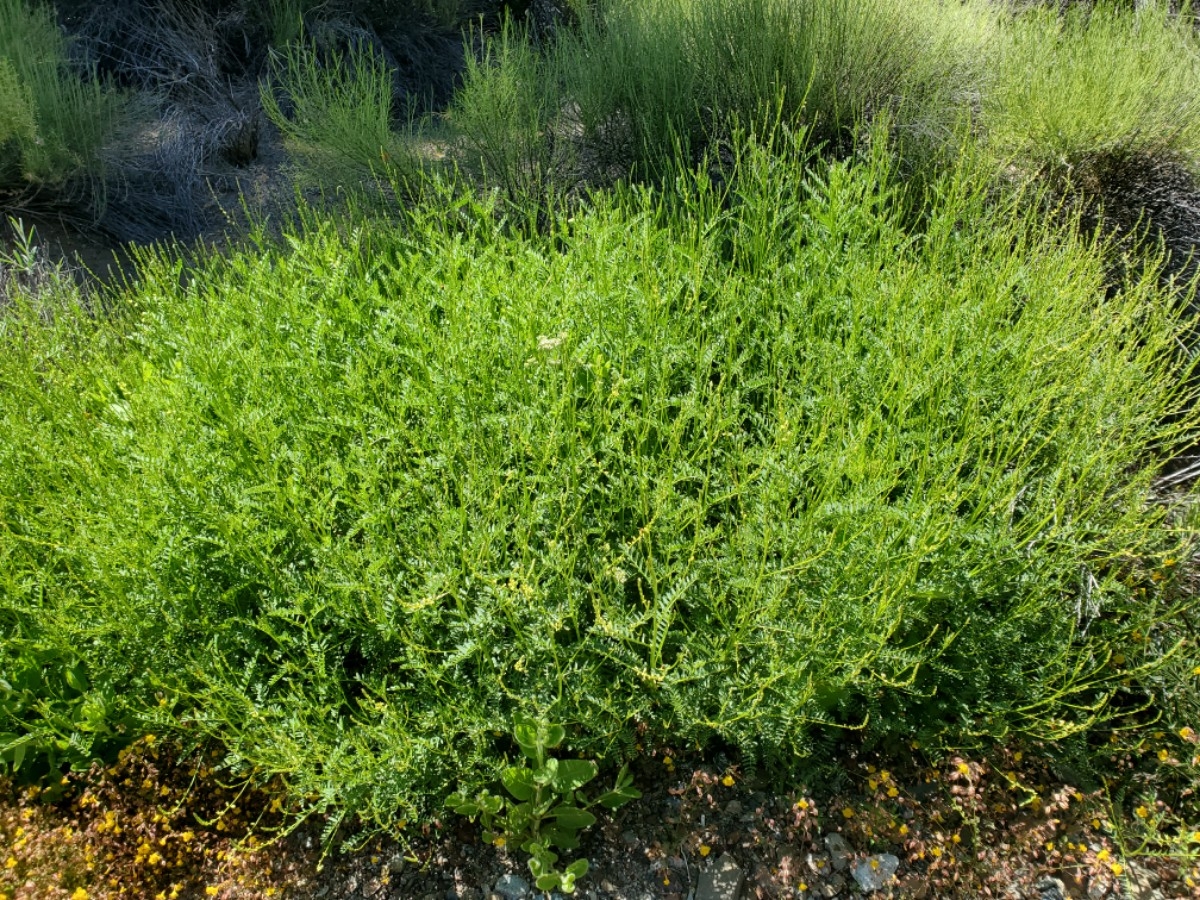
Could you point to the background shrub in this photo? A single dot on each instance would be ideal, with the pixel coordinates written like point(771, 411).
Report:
point(54, 126)
point(1097, 83)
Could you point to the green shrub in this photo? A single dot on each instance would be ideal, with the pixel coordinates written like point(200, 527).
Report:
point(54, 125)
point(646, 81)
point(508, 114)
point(337, 126)
point(1095, 83)
point(691, 467)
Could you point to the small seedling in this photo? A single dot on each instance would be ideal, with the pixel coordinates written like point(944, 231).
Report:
point(548, 807)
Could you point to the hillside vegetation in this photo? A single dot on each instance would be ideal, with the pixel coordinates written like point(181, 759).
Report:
point(667, 396)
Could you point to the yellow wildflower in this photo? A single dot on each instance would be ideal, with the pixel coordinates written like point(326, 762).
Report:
point(892, 792)
point(872, 783)
point(1117, 868)
point(848, 812)
point(1142, 813)
point(705, 849)
point(79, 894)
point(668, 762)
point(1102, 855)
point(802, 805)
point(963, 769)
point(1187, 734)
point(727, 781)
point(1163, 755)
point(903, 829)
point(212, 891)
point(802, 886)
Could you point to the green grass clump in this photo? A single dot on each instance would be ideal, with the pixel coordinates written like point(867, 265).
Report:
point(691, 466)
point(335, 114)
point(640, 83)
point(54, 125)
point(1097, 82)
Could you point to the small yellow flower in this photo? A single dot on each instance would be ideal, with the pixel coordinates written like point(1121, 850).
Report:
point(848, 812)
point(956, 839)
point(1163, 755)
point(936, 852)
point(727, 781)
point(885, 775)
point(705, 849)
point(963, 769)
point(802, 805)
point(874, 863)
point(903, 829)
point(1196, 836)
point(499, 840)
point(892, 792)
point(1196, 671)
point(150, 739)
point(79, 894)
point(1103, 855)
point(1049, 845)
point(802, 886)
point(1187, 734)
point(872, 783)
point(1142, 813)
point(1095, 823)
point(374, 860)
point(1117, 868)
point(212, 891)
point(1018, 756)
point(10, 863)
point(668, 762)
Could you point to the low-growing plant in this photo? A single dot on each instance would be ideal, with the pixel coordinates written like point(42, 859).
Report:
point(744, 464)
point(548, 805)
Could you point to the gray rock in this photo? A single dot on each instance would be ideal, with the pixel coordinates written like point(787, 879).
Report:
point(1142, 883)
point(677, 863)
point(874, 872)
point(1097, 888)
point(512, 887)
point(840, 852)
point(397, 863)
point(833, 886)
point(733, 808)
point(1050, 889)
point(722, 882)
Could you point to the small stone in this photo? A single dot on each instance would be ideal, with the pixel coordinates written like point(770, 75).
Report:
point(839, 851)
point(676, 863)
point(512, 887)
point(396, 864)
point(874, 872)
point(1097, 888)
point(733, 808)
point(1050, 889)
point(630, 838)
point(833, 886)
point(722, 882)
